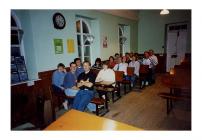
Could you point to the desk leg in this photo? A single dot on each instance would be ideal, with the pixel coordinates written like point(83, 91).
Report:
point(168, 108)
point(106, 103)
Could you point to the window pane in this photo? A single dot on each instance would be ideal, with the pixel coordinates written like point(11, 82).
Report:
point(85, 28)
point(86, 50)
point(120, 32)
point(79, 40)
point(79, 51)
point(78, 26)
point(86, 42)
point(14, 37)
point(87, 58)
point(15, 51)
point(13, 23)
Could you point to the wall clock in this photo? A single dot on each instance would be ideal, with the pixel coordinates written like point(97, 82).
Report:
point(59, 21)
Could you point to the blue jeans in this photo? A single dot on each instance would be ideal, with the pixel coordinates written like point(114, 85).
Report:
point(82, 99)
point(71, 92)
point(132, 79)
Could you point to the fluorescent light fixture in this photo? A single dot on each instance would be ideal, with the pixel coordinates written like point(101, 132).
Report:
point(164, 12)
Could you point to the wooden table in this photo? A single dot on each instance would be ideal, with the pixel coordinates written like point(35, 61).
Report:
point(76, 120)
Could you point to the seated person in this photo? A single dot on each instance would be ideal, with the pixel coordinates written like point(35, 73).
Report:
point(121, 66)
point(128, 58)
point(85, 82)
point(98, 64)
point(136, 64)
point(58, 78)
point(111, 63)
point(106, 74)
point(70, 81)
point(79, 68)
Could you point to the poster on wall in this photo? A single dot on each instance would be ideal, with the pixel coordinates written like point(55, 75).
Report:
point(58, 45)
point(104, 42)
point(70, 46)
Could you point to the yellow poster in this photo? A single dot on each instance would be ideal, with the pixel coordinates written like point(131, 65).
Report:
point(70, 46)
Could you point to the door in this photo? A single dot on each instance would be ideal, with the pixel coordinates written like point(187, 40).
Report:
point(176, 45)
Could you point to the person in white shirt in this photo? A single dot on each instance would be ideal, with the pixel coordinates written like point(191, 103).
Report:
point(154, 61)
point(121, 66)
point(136, 64)
point(106, 74)
point(146, 61)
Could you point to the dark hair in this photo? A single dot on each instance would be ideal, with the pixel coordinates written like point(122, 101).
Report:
point(72, 63)
point(111, 57)
point(116, 54)
point(61, 65)
point(76, 59)
point(98, 60)
point(105, 63)
point(87, 62)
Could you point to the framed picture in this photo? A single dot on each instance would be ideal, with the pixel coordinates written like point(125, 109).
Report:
point(104, 42)
point(58, 45)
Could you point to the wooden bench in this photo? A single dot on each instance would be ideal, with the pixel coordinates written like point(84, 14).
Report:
point(97, 102)
point(170, 97)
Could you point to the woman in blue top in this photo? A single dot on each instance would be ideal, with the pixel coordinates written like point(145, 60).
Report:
point(58, 78)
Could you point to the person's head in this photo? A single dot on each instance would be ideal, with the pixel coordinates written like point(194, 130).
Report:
point(134, 58)
point(86, 66)
point(119, 60)
point(127, 55)
point(105, 65)
point(151, 52)
point(61, 67)
point(98, 61)
point(72, 67)
point(77, 61)
point(131, 54)
point(111, 59)
point(116, 55)
point(146, 54)
point(124, 59)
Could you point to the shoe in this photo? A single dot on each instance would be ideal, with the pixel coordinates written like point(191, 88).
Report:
point(100, 106)
point(65, 105)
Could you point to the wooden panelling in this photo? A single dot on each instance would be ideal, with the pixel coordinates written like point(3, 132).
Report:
point(27, 103)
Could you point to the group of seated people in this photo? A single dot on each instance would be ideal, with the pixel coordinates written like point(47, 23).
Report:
point(80, 80)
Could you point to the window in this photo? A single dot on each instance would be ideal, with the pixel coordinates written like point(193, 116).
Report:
point(83, 30)
point(121, 40)
point(16, 37)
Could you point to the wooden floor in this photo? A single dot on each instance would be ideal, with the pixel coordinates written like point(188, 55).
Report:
point(147, 110)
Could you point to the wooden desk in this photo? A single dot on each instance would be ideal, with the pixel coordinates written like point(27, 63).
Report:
point(76, 120)
point(104, 86)
point(179, 85)
point(104, 83)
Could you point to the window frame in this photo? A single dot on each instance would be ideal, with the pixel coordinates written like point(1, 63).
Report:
point(81, 34)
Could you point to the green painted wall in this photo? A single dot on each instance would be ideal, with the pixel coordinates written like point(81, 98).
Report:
point(151, 28)
point(39, 34)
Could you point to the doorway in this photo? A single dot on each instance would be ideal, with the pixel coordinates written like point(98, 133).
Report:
point(176, 44)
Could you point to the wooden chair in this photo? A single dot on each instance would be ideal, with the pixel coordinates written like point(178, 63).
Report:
point(143, 74)
point(130, 73)
point(119, 75)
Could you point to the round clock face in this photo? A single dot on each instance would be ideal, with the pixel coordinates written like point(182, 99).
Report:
point(59, 21)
